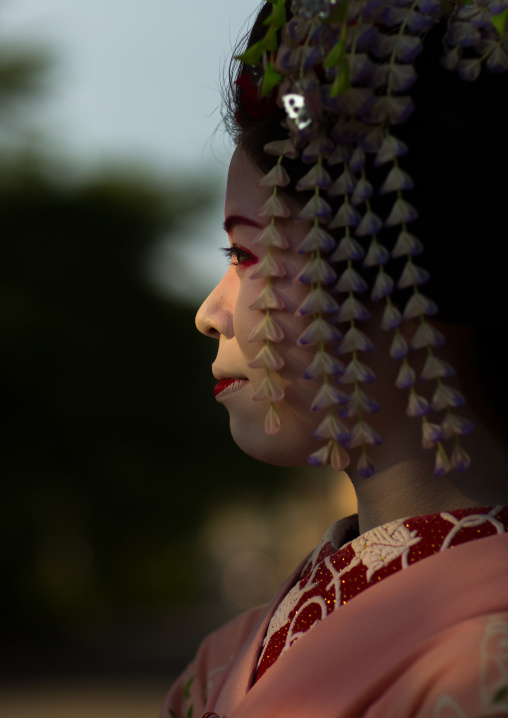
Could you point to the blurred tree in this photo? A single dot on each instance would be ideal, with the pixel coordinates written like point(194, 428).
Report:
point(110, 457)
point(91, 367)
point(24, 79)
point(23, 75)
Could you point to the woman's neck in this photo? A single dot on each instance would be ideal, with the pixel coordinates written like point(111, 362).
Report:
point(405, 484)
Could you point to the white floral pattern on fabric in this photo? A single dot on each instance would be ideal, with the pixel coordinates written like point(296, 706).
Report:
point(494, 665)
point(344, 564)
point(213, 674)
point(337, 578)
point(447, 707)
point(470, 522)
point(493, 677)
point(285, 607)
point(333, 538)
point(384, 544)
point(293, 633)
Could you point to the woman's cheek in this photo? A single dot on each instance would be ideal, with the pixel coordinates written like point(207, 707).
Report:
point(244, 318)
point(292, 294)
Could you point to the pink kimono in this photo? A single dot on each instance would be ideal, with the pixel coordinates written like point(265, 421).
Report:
point(427, 642)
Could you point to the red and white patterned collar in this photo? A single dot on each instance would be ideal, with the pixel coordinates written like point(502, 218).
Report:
point(345, 564)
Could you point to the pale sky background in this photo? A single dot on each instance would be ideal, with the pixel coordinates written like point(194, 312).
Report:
point(140, 79)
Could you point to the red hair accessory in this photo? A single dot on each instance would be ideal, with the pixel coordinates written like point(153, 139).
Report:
point(253, 104)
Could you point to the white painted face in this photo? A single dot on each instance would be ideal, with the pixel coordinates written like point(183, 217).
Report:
point(225, 315)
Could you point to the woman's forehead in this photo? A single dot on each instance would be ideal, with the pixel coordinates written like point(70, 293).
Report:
point(243, 194)
point(242, 191)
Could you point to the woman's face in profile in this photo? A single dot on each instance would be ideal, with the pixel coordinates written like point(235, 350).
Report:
point(226, 315)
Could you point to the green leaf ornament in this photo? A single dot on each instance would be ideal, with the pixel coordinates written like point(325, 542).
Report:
point(501, 694)
point(270, 40)
point(499, 21)
point(339, 12)
point(335, 55)
point(186, 687)
point(277, 17)
point(341, 82)
point(252, 55)
point(270, 80)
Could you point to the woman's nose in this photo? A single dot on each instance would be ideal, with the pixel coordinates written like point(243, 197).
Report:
point(215, 316)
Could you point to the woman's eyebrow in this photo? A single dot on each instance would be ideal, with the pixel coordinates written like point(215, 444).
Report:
point(235, 219)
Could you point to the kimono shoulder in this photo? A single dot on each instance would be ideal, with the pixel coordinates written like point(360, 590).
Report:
point(427, 642)
point(459, 673)
point(204, 677)
point(225, 663)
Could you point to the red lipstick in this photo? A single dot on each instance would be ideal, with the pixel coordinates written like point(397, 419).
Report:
point(224, 384)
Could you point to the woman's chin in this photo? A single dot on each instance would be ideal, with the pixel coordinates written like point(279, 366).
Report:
point(286, 448)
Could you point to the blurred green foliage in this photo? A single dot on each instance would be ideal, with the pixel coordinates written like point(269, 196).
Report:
point(113, 449)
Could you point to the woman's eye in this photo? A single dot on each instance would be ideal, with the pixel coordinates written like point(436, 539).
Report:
point(237, 255)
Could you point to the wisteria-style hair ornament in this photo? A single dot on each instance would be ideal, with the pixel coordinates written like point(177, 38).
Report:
point(341, 70)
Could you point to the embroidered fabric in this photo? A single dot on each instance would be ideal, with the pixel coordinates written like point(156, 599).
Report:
point(344, 564)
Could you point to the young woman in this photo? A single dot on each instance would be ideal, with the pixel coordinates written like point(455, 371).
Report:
point(331, 351)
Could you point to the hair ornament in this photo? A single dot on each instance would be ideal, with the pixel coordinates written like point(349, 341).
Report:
point(323, 363)
point(271, 237)
point(316, 272)
point(267, 358)
point(318, 300)
point(317, 238)
point(341, 71)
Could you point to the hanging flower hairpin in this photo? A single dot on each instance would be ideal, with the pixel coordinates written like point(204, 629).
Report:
point(268, 330)
point(260, 58)
point(317, 274)
point(322, 333)
point(343, 69)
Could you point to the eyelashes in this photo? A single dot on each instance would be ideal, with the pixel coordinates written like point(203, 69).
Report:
point(239, 256)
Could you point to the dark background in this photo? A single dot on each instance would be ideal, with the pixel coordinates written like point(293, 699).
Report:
point(114, 453)
point(130, 523)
